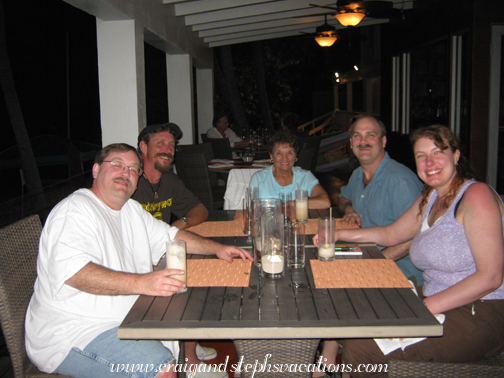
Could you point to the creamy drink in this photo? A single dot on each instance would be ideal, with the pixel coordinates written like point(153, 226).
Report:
point(176, 259)
point(326, 251)
point(302, 206)
point(301, 211)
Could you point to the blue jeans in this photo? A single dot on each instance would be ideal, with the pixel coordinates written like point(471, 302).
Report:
point(109, 357)
point(409, 269)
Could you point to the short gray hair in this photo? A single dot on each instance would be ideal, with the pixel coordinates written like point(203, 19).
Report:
point(116, 147)
point(357, 118)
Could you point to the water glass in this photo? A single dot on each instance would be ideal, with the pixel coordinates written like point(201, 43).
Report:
point(286, 198)
point(326, 226)
point(176, 259)
point(296, 245)
point(249, 196)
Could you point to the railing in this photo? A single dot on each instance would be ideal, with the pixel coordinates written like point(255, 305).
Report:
point(19, 207)
point(315, 128)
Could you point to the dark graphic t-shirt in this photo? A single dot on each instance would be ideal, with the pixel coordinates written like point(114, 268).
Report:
point(173, 196)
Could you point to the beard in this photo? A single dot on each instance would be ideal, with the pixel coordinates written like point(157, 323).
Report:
point(167, 166)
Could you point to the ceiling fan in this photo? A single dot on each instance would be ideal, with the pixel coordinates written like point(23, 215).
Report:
point(351, 12)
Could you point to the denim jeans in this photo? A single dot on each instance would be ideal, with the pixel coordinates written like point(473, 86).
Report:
point(109, 357)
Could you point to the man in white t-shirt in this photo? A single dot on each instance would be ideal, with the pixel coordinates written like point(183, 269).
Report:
point(96, 254)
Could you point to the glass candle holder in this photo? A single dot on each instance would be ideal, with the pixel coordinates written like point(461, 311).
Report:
point(326, 226)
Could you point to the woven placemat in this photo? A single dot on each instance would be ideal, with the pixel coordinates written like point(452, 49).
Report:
point(357, 273)
point(219, 228)
point(214, 272)
point(311, 227)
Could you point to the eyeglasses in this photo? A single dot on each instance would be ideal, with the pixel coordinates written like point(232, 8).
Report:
point(121, 165)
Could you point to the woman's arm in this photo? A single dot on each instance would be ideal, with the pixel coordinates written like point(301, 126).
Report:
point(480, 213)
point(402, 230)
point(319, 199)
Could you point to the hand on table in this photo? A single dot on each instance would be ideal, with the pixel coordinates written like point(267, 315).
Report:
point(351, 218)
point(229, 251)
point(159, 283)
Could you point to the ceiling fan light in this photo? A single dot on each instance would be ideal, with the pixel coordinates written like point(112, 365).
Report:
point(326, 39)
point(349, 18)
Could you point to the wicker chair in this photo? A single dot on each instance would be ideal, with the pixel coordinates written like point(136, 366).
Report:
point(193, 171)
point(18, 253)
point(311, 142)
point(285, 351)
point(489, 368)
point(222, 148)
point(305, 158)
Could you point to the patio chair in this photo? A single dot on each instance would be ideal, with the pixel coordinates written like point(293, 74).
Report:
point(311, 142)
point(489, 368)
point(305, 159)
point(202, 148)
point(222, 148)
point(193, 171)
point(205, 138)
point(18, 253)
point(284, 351)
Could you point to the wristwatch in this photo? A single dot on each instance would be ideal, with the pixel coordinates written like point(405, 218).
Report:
point(185, 220)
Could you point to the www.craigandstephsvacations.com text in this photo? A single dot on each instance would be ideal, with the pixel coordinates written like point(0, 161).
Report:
point(257, 367)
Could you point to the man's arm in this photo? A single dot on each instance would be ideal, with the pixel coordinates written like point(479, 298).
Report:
point(351, 216)
point(203, 246)
point(397, 252)
point(99, 280)
point(319, 199)
point(198, 214)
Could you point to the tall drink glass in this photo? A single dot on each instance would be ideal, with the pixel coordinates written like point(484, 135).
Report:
point(285, 197)
point(326, 226)
point(176, 259)
point(296, 245)
point(302, 206)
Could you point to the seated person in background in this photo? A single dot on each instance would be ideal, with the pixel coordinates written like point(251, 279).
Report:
point(221, 129)
point(290, 121)
point(457, 226)
point(160, 191)
point(96, 254)
point(282, 176)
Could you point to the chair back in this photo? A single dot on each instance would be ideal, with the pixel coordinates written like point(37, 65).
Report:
point(192, 169)
point(311, 142)
point(222, 148)
point(205, 138)
point(305, 158)
point(203, 148)
point(18, 252)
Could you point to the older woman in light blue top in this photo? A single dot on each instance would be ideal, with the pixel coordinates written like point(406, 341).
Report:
point(282, 176)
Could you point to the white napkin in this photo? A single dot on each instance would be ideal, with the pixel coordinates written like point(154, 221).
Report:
point(387, 346)
point(224, 161)
point(260, 165)
point(221, 165)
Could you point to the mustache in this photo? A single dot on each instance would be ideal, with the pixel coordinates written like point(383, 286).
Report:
point(364, 146)
point(168, 155)
point(123, 179)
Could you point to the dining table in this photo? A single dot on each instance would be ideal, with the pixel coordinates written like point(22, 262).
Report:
point(291, 309)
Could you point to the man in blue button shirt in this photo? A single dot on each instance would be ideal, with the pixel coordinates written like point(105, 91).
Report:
point(380, 190)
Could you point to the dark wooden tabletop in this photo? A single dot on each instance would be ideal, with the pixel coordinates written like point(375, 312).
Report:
point(290, 307)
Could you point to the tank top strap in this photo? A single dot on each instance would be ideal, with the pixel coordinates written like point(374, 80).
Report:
point(450, 212)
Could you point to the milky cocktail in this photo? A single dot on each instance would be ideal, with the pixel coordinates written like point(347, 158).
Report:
point(326, 227)
point(176, 259)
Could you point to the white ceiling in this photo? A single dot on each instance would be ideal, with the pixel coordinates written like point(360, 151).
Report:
point(226, 22)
